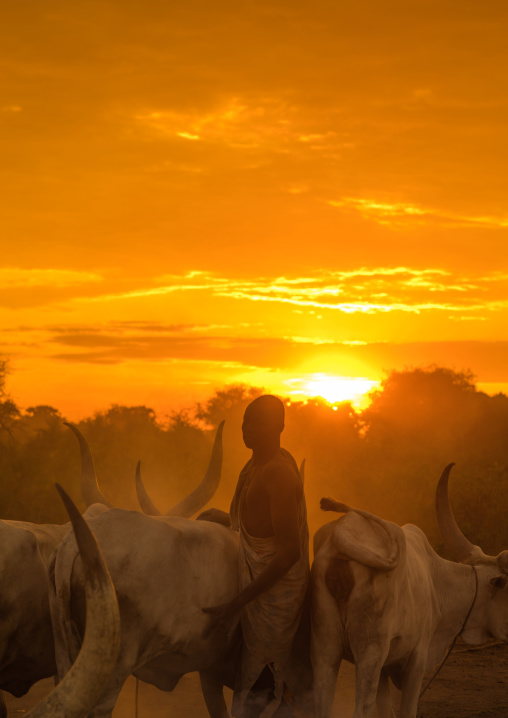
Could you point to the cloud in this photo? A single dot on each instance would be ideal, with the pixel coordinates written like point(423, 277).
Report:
point(188, 136)
point(13, 277)
point(360, 291)
point(121, 327)
point(401, 214)
point(276, 354)
point(254, 123)
point(112, 349)
point(232, 121)
point(119, 342)
point(22, 288)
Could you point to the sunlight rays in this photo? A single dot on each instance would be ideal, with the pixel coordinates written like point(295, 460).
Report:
point(332, 388)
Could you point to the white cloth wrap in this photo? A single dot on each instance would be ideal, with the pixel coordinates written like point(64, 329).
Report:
point(270, 621)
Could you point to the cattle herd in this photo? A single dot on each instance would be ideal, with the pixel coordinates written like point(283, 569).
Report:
point(380, 597)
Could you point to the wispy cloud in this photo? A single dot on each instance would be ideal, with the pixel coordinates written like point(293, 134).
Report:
point(363, 290)
point(236, 120)
point(247, 123)
point(11, 277)
point(399, 213)
point(118, 342)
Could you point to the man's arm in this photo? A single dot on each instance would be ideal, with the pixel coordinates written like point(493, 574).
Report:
point(282, 492)
point(282, 488)
point(216, 516)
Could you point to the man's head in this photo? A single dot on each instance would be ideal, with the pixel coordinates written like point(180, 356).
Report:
point(263, 422)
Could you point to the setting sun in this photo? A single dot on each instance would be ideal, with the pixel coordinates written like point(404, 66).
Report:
point(334, 388)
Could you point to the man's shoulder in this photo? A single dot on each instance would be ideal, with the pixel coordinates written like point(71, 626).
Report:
point(283, 459)
point(282, 467)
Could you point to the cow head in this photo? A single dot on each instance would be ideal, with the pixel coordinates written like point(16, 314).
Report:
point(492, 570)
point(497, 607)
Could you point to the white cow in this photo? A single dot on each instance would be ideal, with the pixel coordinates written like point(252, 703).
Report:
point(83, 685)
point(26, 636)
point(26, 550)
point(384, 600)
point(165, 570)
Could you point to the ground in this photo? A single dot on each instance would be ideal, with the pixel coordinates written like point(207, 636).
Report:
point(472, 684)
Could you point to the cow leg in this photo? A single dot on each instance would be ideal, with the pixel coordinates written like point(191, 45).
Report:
point(368, 673)
point(384, 699)
point(3, 706)
point(411, 685)
point(214, 695)
point(326, 649)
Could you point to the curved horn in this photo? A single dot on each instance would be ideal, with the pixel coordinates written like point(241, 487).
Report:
point(457, 545)
point(206, 489)
point(83, 685)
point(89, 485)
point(302, 472)
point(146, 503)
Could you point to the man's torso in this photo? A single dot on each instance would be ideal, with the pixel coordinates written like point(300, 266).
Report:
point(261, 479)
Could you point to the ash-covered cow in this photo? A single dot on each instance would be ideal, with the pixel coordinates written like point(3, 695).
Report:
point(384, 600)
point(26, 636)
point(84, 683)
point(165, 570)
point(27, 651)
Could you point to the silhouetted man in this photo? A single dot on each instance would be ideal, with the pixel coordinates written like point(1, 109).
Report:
point(269, 511)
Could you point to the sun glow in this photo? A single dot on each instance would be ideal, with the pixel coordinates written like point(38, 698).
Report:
point(334, 388)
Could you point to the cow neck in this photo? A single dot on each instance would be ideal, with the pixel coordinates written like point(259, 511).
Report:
point(448, 652)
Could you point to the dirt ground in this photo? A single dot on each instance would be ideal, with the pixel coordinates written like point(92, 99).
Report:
point(472, 684)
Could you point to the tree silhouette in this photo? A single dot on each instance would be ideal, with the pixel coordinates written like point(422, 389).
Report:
point(386, 459)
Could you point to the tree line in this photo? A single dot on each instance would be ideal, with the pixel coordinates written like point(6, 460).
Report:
point(385, 459)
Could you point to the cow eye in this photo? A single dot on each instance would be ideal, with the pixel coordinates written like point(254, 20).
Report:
point(499, 581)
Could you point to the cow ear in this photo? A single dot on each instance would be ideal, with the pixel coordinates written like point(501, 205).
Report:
point(502, 561)
point(499, 581)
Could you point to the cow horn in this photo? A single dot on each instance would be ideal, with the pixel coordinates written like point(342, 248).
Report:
point(83, 685)
point(457, 545)
point(197, 498)
point(146, 503)
point(89, 486)
point(302, 472)
point(206, 489)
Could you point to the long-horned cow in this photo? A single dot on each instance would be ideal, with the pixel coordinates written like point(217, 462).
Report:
point(27, 651)
point(84, 683)
point(165, 570)
point(26, 637)
point(384, 600)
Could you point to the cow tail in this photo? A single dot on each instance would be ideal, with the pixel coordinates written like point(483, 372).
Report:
point(349, 548)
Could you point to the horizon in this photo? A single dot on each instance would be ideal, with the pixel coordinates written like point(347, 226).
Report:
point(358, 400)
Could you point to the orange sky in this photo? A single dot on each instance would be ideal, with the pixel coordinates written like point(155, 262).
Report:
point(200, 193)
